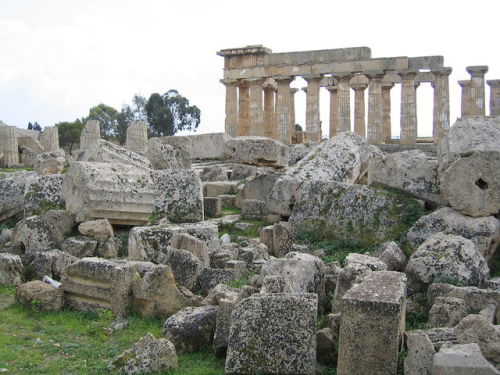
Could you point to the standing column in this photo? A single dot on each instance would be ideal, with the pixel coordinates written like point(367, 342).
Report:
point(231, 122)
point(494, 97)
point(386, 111)
point(465, 101)
point(344, 102)
point(441, 113)
point(375, 107)
point(334, 110)
point(8, 146)
point(313, 126)
point(477, 101)
point(269, 111)
point(244, 109)
point(256, 113)
point(408, 108)
point(359, 109)
point(293, 91)
point(283, 110)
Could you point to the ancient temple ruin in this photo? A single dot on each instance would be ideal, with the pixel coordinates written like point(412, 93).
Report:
point(259, 100)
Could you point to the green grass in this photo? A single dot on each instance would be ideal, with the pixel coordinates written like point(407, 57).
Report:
point(231, 211)
point(74, 342)
point(244, 234)
point(15, 169)
point(417, 319)
point(238, 283)
point(495, 265)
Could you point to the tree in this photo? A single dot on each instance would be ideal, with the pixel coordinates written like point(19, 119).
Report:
point(69, 133)
point(36, 126)
point(170, 113)
point(298, 128)
point(107, 117)
point(30, 126)
point(125, 117)
point(139, 108)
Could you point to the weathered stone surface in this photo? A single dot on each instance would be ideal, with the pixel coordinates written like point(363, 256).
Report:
point(242, 171)
point(91, 132)
point(191, 329)
point(45, 296)
point(211, 277)
point(179, 196)
point(372, 263)
point(358, 213)
point(446, 255)
point(216, 188)
point(410, 171)
point(372, 316)
point(476, 299)
point(11, 269)
point(94, 283)
point(100, 229)
point(257, 151)
point(461, 360)
point(146, 242)
point(48, 163)
point(447, 312)
point(343, 158)
point(35, 234)
point(137, 137)
point(220, 292)
point(258, 187)
point(106, 152)
point(13, 188)
point(80, 246)
point(200, 146)
point(299, 151)
point(52, 263)
point(477, 329)
point(471, 184)
point(265, 327)
point(146, 356)
point(483, 232)
point(212, 206)
point(392, 256)
point(165, 156)
point(215, 173)
point(281, 239)
point(44, 193)
point(121, 193)
point(109, 248)
point(254, 209)
point(156, 294)
point(9, 146)
point(326, 341)
point(27, 156)
point(419, 355)
point(185, 266)
point(276, 284)
point(192, 244)
point(31, 143)
point(50, 138)
point(223, 325)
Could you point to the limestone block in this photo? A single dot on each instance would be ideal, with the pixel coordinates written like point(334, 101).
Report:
point(216, 188)
point(44, 192)
point(35, 234)
point(462, 360)
point(100, 229)
point(258, 187)
point(192, 244)
point(211, 277)
point(27, 156)
point(212, 206)
point(347, 277)
point(266, 237)
point(372, 263)
point(148, 355)
point(392, 256)
point(276, 284)
point(106, 152)
point(165, 156)
point(343, 158)
point(410, 171)
point(358, 213)
point(220, 292)
point(50, 139)
point(31, 143)
point(145, 242)
point(446, 255)
point(48, 163)
point(191, 329)
point(254, 209)
point(242, 171)
point(121, 193)
point(484, 232)
point(227, 200)
point(9, 147)
point(185, 266)
point(200, 146)
point(52, 263)
point(299, 151)
point(447, 312)
point(419, 355)
point(266, 326)
point(94, 283)
point(215, 173)
point(282, 239)
point(156, 294)
point(12, 192)
point(257, 151)
point(80, 246)
point(11, 269)
point(179, 196)
point(110, 248)
point(373, 309)
point(137, 137)
point(326, 341)
point(223, 324)
point(45, 296)
point(90, 133)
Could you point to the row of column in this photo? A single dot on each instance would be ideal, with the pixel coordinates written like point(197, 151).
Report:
point(473, 101)
point(245, 114)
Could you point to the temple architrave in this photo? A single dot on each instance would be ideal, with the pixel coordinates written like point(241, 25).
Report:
point(259, 100)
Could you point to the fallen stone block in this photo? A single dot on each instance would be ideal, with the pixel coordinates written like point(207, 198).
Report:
point(11, 269)
point(12, 192)
point(80, 246)
point(258, 187)
point(212, 206)
point(52, 263)
point(48, 163)
point(462, 360)
point(419, 355)
point(165, 156)
point(447, 312)
point(91, 133)
point(40, 296)
point(254, 209)
point(100, 229)
point(102, 151)
point(216, 188)
point(260, 151)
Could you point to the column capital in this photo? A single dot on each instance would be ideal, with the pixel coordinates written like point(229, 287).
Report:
point(343, 76)
point(477, 70)
point(331, 89)
point(229, 82)
point(269, 86)
point(494, 83)
point(417, 84)
point(359, 86)
point(445, 72)
point(374, 74)
point(407, 74)
point(254, 81)
point(464, 83)
point(387, 85)
point(293, 90)
point(312, 77)
point(283, 78)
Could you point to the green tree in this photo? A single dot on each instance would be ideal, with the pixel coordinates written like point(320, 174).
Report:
point(160, 119)
point(107, 117)
point(139, 108)
point(125, 117)
point(69, 133)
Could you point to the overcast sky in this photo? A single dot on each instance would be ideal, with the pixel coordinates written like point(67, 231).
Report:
point(60, 57)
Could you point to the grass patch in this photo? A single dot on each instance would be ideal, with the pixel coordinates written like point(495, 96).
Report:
point(238, 283)
point(450, 280)
point(495, 265)
point(73, 342)
point(8, 224)
point(417, 319)
point(231, 211)
point(252, 231)
point(16, 169)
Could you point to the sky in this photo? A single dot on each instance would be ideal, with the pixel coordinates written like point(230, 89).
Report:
point(61, 57)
